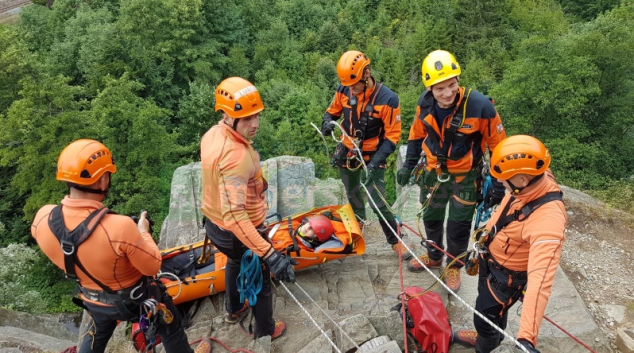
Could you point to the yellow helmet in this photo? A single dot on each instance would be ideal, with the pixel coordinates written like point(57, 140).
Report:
point(438, 66)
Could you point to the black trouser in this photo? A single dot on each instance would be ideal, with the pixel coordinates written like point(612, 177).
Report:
point(356, 197)
point(494, 304)
point(105, 319)
point(463, 196)
point(263, 310)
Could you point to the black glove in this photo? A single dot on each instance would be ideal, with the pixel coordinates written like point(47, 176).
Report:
point(282, 266)
point(494, 195)
point(373, 175)
point(326, 126)
point(529, 346)
point(403, 175)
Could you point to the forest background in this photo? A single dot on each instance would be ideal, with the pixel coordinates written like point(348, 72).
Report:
point(139, 75)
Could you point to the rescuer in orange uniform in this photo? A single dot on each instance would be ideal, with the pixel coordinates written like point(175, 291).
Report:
point(110, 257)
point(522, 244)
point(452, 127)
point(234, 200)
point(370, 114)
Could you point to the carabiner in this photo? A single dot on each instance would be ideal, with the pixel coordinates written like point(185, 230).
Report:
point(443, 178)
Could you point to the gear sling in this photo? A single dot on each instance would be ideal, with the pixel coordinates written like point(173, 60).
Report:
point(359, 124)
point(70, 241)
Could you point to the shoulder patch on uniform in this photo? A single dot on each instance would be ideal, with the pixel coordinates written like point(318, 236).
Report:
point(398, 118)
point(500, 128)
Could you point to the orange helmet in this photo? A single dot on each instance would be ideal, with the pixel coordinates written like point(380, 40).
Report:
point(350, 67)
point(519, 154)
point(322, 226)
point(238, 98)
point(84, 161)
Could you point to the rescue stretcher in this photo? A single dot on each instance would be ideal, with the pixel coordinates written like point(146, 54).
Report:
point(196, 270)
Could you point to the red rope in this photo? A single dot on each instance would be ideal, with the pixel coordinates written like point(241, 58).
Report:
point(400, 271)
point(239, 350)
point(569, 334)
point(545, 317)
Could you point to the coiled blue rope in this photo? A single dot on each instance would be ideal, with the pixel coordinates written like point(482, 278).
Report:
point(483, 214)
point(249, 280)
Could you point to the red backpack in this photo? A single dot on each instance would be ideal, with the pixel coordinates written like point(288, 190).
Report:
point(427, 321)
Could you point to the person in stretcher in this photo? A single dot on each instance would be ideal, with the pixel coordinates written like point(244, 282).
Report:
point(317, 233)
point(321, 233)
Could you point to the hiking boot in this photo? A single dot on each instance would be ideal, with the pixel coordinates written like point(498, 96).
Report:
point(399, 248)
point(414, 266)
point(466, 338)
point(204, 346)
point(452, 278)
point(280, 330)
point(238, 315)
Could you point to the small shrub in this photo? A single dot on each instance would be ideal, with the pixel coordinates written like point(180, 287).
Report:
point(30, 282)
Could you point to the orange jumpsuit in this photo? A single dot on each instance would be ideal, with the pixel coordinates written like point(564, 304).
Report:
point(234, 200)
point(533, 246)
point(381, 135)
point(233, 188)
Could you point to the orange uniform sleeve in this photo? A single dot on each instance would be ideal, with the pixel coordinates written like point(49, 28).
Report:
point(139, 248)
point(233, 181)
point(417, 131)
point(493, 131)
point(391, 116)
point(545, 233)
point(336, 107)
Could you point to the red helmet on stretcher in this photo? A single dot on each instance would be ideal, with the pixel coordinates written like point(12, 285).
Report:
point(322, 226)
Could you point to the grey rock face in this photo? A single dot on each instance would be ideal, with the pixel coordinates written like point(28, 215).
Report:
point(319, 345)
point(359, 328)
point(390, 325)
point(261, 345)
point(325, 192)
point(389, 347)
point(183, 224)
point(41, 325)
point(288, 178)
point(33, 341)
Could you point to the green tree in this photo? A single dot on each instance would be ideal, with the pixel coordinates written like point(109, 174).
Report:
point(585, 10)
point(135, 131)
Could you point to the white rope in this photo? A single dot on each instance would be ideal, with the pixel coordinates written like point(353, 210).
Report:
point(356, 148)
point(329, 318)
point(180, 283)
point(425, 267)
point(442, 283)
point(311, 318)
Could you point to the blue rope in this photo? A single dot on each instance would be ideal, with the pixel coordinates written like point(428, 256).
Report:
point(249, 280)
point(483, 214)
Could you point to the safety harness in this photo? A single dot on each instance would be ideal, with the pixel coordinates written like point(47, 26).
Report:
point(457, 120)
point(360, 124)
point(70, 241)
point(516, 279)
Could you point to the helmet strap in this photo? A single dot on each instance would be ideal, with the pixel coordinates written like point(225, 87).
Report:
point(88, 190)
point(517, 191)
point(235, 124)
